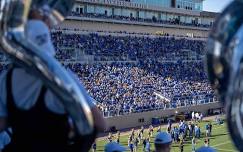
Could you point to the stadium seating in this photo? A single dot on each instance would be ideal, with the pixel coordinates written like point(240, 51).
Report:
point(131, 74)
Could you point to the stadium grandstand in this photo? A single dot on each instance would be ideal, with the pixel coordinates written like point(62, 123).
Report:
point(138, 56)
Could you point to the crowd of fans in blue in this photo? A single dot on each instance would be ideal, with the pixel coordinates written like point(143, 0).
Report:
point(130, 74)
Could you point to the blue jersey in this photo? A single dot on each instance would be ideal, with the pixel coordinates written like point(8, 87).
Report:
point(131, 146)
point(206, 126)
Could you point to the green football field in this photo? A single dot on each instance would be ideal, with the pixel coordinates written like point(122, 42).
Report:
point(220, 140)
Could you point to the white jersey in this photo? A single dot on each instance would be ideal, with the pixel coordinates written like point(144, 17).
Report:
point(193, 115)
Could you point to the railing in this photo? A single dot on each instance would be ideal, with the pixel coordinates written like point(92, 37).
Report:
point(112, 113)
point(138, 20)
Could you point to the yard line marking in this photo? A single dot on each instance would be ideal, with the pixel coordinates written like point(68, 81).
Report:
point(221, 126)
point(221, 144)
point(226, 150)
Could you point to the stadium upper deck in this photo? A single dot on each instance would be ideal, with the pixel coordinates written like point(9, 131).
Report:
point(184, 4)
point(177, 17)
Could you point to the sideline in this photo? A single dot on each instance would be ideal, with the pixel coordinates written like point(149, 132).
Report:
point(125, 133)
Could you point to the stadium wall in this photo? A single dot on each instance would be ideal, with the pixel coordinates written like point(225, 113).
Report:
point(136, 28)
point(132, 120)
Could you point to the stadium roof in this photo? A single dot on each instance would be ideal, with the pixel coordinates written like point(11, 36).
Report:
point(208, 14)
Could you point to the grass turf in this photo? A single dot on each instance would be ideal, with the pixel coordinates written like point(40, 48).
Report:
point(220, 140)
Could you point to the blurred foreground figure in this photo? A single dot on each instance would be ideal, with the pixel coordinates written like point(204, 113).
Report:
point(163, 142)
point(38, 117)
point(205, 149)
point(225, 68)
point(5, 138)
point(114, 147)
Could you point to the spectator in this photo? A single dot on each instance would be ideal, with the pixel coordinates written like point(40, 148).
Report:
point(141, 131)
point(118, 137)
point(110, 137)
point(197, 116)
point(201, 117)
point(130, 143)
point(176, 134)
point(197, 131)
point(191, 129)
point(135, 143)
point(181, 145)
point(206, 142)
point(150, 131)
point(169, 125)
point(144, 144)
point(207, 130)
point(210, 129)
point(193, 116)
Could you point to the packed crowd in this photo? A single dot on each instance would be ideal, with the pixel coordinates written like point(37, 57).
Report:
point(124, 48)
point(131, 74)
point(137, 74)
point(126, 87)
point(143, 20)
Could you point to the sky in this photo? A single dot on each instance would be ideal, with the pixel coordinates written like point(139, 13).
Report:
point(215, 5)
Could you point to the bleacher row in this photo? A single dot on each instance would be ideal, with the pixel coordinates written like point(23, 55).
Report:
point(128, 74)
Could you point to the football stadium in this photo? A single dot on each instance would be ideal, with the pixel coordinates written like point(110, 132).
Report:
point(143, 64)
